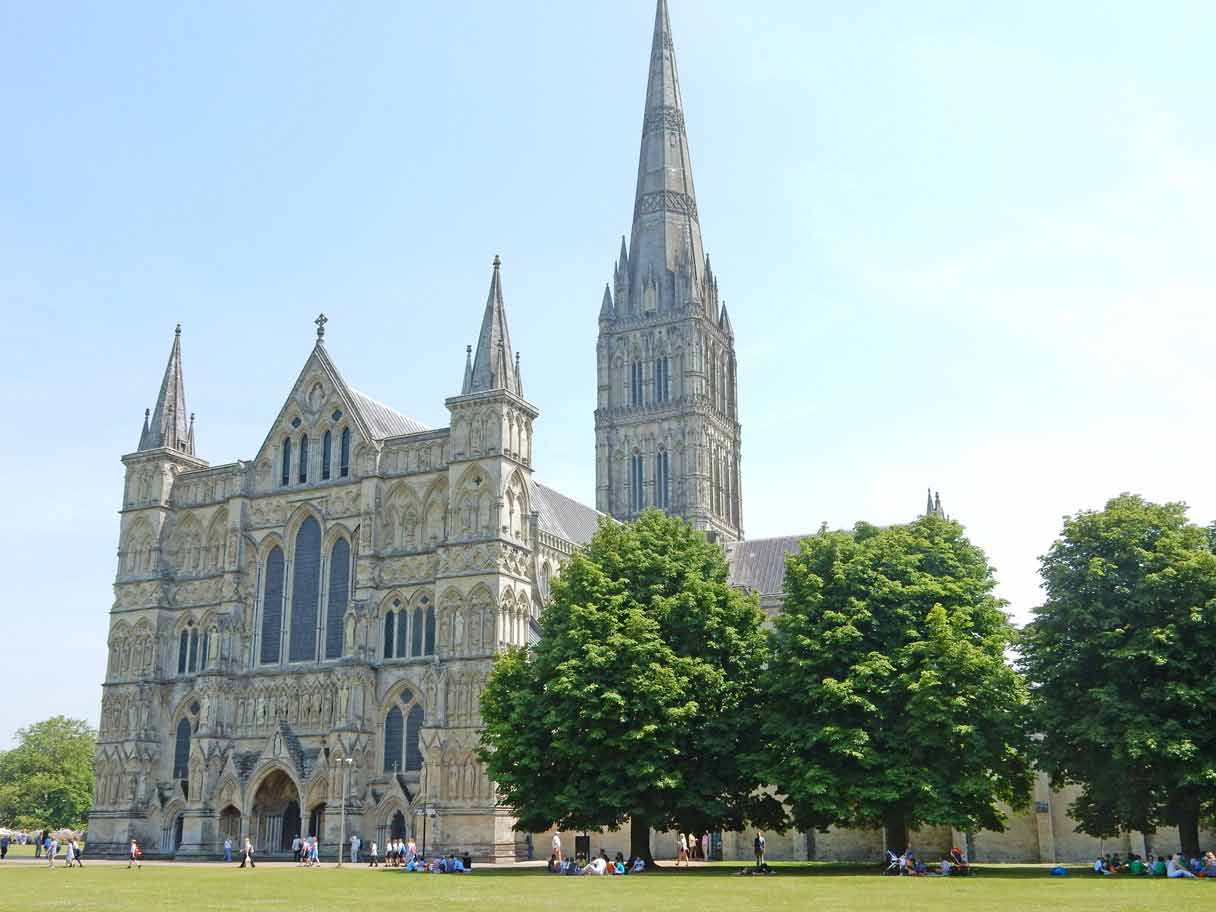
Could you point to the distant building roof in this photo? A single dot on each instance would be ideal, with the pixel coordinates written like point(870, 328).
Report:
point(564, 517)
point(382, 420)
point(759, 565)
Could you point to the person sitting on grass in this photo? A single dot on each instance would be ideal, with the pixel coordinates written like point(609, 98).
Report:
point(1209, 865)
point(1136, 866)
point(638, 866)
point(555, 863)
point(1196, 865)
point(597, 868)
point(1101, 866)
point(1174, 868)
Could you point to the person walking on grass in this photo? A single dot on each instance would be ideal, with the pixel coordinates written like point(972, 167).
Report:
point(227, 848)
point(247, 855)
point(681, 850)
point(52, 849)
point(758, 848)
point(135, 855)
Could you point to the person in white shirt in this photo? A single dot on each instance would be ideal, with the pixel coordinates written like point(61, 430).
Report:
point(597, 868)
point(373, 862)
point(1174, 869)
point(557, 846)
point(354, 848)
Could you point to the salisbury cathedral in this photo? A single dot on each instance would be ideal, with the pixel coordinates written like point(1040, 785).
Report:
point(312, 628)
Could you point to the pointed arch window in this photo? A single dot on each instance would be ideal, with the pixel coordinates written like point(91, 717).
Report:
point(637, 499)
point(305, 592)
point(416, 637)
point(393, 730)
point(635, 383)
point(181, 750)
point(204, 647)
point(429, 645)
point(183, 652)
point(326, 445)
point(390, 626)
point(303, 458)
point(193, 664)
point(272, 608)
point(286, 476)
point(413, 733)
point(402, 633)
point(662, 480)
point(344, 453)
point(662, 379)
point(339, 594)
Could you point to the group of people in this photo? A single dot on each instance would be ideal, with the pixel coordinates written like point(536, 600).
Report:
point(398, 853)
point(306, 851)
point(50, 846)
point(1175, 865)
point(953, 864)
point(689, 846)
point(599, 866)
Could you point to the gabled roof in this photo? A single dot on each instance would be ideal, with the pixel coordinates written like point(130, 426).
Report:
point(759, 565)
point(564, 517)
point(383, 420)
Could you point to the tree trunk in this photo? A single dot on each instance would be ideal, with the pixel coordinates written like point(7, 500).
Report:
point(639, 841)
point(896, 832)
point(1188, 832)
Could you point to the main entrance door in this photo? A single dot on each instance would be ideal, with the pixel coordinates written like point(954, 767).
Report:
point(276, 814)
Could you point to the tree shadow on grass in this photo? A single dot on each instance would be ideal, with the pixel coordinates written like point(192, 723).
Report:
point(792, 869)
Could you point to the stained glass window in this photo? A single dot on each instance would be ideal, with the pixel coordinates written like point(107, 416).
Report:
point(272, 608)
point(339, 592)
point(181, 750)
point(393, 741)
point(413, 730)
point(305, 590)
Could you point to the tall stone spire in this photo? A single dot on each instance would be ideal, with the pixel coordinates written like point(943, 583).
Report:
point(666, 255)
point(170, 426)
point(492, 368)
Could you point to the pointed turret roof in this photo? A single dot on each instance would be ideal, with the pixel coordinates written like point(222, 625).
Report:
point(171, 426)
point(666, 234)
point(492, 368)
point(606, 306)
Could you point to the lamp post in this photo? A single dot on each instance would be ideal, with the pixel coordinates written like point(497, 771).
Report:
point(346, 765)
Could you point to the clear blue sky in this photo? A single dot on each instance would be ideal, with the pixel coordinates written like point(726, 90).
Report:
point(964, 245)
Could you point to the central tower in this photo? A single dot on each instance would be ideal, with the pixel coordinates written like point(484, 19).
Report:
point(667, 428)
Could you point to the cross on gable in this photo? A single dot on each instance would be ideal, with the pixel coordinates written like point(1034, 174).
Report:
point(321, 321)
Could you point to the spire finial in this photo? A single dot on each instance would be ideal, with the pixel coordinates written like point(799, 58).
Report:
point(178, 331)
point(321, 321)
point(497, 261)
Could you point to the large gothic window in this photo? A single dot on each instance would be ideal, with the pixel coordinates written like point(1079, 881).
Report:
point(393, 742)
point(635, 383)
point(326, 446)
point(344, 454)
point(304, 459)
point(272, 608)
point(181, 750)
point(339, 592)
point(305, 590)
point(193, 666)
point(413, 731)
point(637, 498)
point(286, 476)
point(662, 480)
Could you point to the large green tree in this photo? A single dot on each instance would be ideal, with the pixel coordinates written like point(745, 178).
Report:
point(47, 779)
point(891, 702)
point(1120, 657)
point(640, 701)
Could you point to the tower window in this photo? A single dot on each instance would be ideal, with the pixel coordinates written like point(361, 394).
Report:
point(662, 380)
point(286, 478)
point(344, 455)
point(636, 478)
point(326, 446)
point(635, 383)
point(662, 480)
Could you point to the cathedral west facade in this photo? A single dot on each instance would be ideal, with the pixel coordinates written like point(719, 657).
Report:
point(314, 625)
point(310, 630)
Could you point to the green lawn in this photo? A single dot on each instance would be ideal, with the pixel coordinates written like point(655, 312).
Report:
point(182, 888)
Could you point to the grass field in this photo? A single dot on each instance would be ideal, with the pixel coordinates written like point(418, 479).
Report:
point(219, 888)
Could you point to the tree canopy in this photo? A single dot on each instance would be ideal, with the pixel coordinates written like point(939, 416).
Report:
point(1120, 655)
point(891, 701)
point(47, 779)
point(640, 701)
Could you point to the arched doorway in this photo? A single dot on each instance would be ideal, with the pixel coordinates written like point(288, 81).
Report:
point(230, 826)
point(275, 817)
point(316, 821)
point(396, 826)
